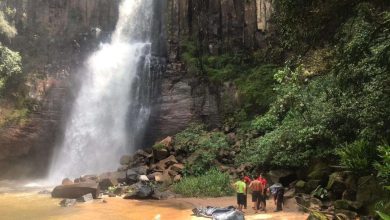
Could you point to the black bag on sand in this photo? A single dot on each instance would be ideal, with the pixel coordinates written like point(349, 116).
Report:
point(216, 213)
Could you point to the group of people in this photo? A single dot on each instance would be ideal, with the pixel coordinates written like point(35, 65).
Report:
point(259, 189)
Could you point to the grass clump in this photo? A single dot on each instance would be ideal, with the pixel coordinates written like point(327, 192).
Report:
point(212, 184)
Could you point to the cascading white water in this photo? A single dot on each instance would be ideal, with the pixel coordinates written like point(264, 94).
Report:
point(96, 133)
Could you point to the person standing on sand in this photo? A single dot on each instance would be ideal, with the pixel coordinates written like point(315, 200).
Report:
point(240, 187)
point(263, 202)
point(247, 181)
point(277, 191)
point(279, 199)
point(257, 191)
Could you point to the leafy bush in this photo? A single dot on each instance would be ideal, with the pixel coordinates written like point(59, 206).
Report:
point(256, 87)
point(187, 140)
point(266, 123)
point(383, 165)
point(6, 28)
point(206, 150)
point(357, 156)
point(202, 145)
point(158, 146)
point(347, 101)
point(211, 184)
point(10, 69)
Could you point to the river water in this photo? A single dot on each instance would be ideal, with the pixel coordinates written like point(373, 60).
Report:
point(31, 206)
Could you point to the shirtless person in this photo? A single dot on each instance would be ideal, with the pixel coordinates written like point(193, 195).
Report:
point(257, 193)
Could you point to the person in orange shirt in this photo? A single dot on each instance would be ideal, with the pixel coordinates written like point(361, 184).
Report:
point(257, 191)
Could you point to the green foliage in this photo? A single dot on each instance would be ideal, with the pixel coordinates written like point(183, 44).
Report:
point(6, 28)
point(212, 183)
point(204, 147)
point(357, 156)
point(10, 69)
point(347, 101)
point(383, 207)
point(255, 82)
point(320, 193)
point(256, 87)
point(265, 123)
point(158, 146)
point(14, 117)
point(207, 148)
point(301, 24)
point(187, 140)
point(192, 57)
point(383, 216)
point(383, 165)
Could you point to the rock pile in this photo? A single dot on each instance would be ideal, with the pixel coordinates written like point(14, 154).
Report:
point(145, 174)
point(338, 193)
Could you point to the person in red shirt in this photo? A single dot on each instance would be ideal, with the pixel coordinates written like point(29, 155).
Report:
point(247, 181)
point(263, 202)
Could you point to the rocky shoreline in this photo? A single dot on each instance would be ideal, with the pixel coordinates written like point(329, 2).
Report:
point(150, 174)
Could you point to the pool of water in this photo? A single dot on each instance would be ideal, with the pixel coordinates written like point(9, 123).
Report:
point(22, 203)
point(30, 205)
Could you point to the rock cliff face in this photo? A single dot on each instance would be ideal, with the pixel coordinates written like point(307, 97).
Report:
point(219, 26)
point(54, 37)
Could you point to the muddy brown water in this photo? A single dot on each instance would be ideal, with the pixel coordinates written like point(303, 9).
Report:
point(30, 205)
point(19, 203)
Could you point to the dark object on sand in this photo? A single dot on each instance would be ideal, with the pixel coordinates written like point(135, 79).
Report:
point(216, 213)
point(68, 202)
point(76, 190)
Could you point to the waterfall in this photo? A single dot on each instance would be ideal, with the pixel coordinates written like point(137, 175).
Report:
point(110, 111)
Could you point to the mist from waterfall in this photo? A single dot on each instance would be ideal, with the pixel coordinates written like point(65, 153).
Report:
point(108, 115)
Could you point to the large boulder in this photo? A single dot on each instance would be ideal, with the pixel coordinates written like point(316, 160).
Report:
point(336, 185)
point(143, 178)
point(311, 185)
point(126, 159)
point(300, 186)
point(167, 179)
point(370, 191)
point(76, 190)
point(167, 142)
point(319, 171)
point(160, 154)
point(169, 161)
point(67, 181)
point(163, 195)
point(177, 178)
point(139, 191)
point(141, 170)
point(89, 178)
point(303, 200)
point(132, 176)
point(177, 167)
point(156, 176)
point(110, 179)
point(85, 198)
point(285, 177)
point(349, 195)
